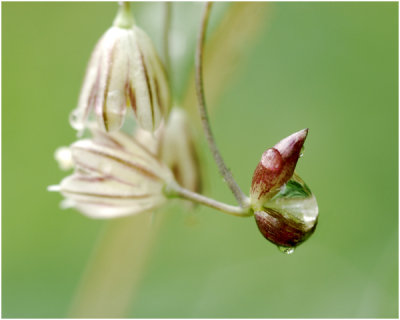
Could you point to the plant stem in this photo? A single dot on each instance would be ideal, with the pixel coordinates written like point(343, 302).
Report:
point(175, 190)
point(124, 18)
point(224, 171)
point(166, 30)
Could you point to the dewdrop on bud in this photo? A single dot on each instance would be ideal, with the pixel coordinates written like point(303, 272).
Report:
point(285, 209)
point(124, 71)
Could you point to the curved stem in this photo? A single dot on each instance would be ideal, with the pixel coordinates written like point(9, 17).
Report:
point(175, 190)
point(224, 171)
point(166, 29)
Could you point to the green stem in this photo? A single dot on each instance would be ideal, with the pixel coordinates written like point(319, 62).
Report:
point(124, 18)
point(223, 169)
point(175, 190)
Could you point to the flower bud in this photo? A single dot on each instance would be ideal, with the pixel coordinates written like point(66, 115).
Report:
point(276, 167)
point(177, 150)
point(124, 70)
point(285, 209)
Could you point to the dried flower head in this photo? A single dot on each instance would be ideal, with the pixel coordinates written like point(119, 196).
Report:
point(115, 175)
point(124, 70)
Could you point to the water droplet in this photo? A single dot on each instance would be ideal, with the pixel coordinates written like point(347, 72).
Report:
point(295, 201)
point(301, 155)
point(286, 250)
point(76, 121)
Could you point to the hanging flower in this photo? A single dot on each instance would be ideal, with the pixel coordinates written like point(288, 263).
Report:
point(115, 175)
point(124, 71)
point(285, 209)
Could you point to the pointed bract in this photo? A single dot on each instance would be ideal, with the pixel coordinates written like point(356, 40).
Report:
point(276, 167)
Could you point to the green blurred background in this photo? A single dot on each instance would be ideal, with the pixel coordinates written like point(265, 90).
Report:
point(331, 67)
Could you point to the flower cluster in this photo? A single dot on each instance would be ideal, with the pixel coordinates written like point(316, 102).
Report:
point(118, 174)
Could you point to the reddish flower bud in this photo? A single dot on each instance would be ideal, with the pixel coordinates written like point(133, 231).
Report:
point(276, 167)
point(285, 209)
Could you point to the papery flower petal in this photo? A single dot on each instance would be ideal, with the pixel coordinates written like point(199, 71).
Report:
point(106, 198)
point(142, 142)
point(115, 175)
point(116, 163)
point(111, 103)
point(107, 190)
point(124, 70)
point(148, 81)
point(106, 211)
point(79, 116)
point(157, 70)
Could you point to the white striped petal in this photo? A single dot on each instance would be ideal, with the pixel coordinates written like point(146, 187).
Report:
point(115, 175)
point(117, 163)
point(79, 116)
point(157, 70)
point(111, 107)
point(152, 101)
point(104, 198)
point(105, 190)
point(124, 71)
point(143, 141)
point(101, 211)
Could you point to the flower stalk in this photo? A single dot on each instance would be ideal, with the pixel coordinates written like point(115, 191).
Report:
point(242, 199)
point(174, 190)
point(124, 18)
